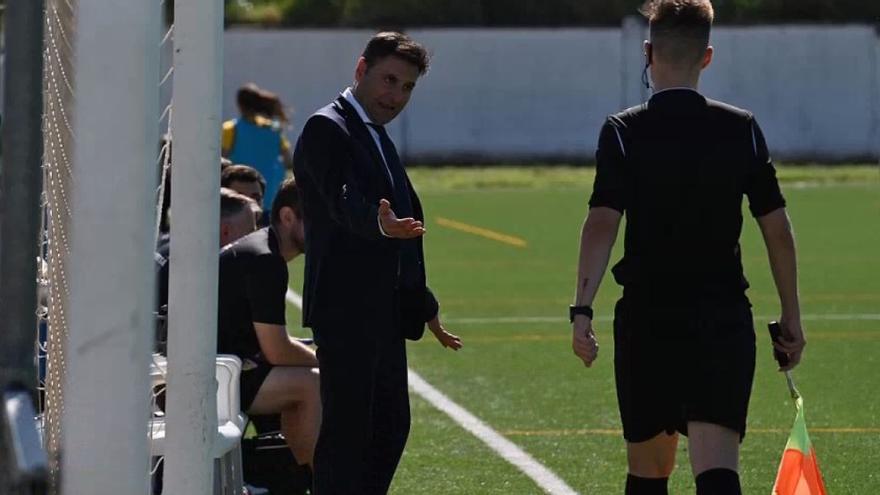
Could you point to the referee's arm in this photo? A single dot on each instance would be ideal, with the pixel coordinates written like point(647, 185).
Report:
point(607, 204)
point(768, 207)
point(779, 239)
point(597, 238)
point(598, 234)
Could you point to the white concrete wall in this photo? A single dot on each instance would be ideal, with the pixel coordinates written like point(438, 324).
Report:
point(813, 89)
point(510, 94)
point(533, 94)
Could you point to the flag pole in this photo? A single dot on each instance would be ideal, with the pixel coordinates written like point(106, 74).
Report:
point(791, 386)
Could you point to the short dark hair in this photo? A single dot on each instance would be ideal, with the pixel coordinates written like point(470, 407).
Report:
point(399, 45)
point(233, 203)
point(241, 173)
point(288, 195)
point(680, 28)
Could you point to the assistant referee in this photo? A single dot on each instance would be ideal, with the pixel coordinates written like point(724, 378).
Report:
point(678, 166)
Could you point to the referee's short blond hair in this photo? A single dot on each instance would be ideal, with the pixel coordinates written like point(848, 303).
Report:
point(679, 29)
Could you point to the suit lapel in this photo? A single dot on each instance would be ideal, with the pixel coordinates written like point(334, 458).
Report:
point(359, 131)
point(418, 213)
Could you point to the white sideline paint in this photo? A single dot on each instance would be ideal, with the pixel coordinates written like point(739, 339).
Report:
point(294, 298)
point(561, 319)
point(509, 451)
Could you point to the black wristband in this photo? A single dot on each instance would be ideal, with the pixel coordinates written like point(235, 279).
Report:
point(579, 310)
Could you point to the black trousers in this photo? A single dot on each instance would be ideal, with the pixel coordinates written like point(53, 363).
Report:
point(366, 417)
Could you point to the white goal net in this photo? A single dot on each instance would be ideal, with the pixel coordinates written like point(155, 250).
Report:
point(60, 169)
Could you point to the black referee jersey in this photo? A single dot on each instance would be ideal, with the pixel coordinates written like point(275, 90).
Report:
point(678, 166)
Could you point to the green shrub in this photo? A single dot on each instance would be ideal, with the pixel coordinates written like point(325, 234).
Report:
point(499, 13)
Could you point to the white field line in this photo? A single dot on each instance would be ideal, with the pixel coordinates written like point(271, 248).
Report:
point(543, 477)
point(508, 450)
point(294, 298)
point(562, 319)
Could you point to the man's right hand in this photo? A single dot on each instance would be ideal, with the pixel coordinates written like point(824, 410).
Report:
point(398, 228)
point(583, 340)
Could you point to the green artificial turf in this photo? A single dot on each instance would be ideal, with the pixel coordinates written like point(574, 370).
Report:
point(517, 372)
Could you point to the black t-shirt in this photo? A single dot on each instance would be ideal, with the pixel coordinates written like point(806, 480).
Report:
point(679, 166)
point(161, 259)
point(252, 288)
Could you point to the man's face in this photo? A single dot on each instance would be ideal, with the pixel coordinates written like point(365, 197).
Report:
point(249, 189)
point(385, 88)
point(237, 226)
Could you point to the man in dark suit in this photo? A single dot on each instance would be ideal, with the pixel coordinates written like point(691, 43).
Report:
point(364, 289)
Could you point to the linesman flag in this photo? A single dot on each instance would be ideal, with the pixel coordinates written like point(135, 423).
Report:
point(799, 469)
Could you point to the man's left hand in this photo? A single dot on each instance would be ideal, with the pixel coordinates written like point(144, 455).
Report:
point(445, 338)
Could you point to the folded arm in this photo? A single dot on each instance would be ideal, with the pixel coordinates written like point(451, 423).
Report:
point(280, 349)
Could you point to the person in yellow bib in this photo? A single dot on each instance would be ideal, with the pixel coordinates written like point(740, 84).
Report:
point(256, 137)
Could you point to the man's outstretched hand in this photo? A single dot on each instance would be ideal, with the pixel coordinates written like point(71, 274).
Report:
point(445, 338)
point(398, 228)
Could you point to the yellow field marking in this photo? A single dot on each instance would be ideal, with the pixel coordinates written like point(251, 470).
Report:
point(820, 297)
point(488, 234)
point(550, 337)
point(615, 432)
point(519, 338)
point(843, 335)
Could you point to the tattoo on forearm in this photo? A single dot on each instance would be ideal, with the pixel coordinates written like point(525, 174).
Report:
point(583, 291)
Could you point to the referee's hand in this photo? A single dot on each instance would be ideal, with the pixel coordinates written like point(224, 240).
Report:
point(792, 342)
point(583, 340)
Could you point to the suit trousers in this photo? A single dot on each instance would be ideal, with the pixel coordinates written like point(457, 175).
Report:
point(366, 416)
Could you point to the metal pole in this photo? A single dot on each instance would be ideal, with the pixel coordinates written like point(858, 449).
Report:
point(21, 178)
point(111, 270)
point(22, 460)
point(191, 421)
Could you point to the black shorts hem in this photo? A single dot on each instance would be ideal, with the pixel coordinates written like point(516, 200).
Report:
point(645, 435)
point(251, 380)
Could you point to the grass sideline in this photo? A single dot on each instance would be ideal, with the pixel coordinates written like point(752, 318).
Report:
point(460, 177)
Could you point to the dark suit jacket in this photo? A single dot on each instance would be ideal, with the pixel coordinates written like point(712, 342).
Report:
point(351, 269)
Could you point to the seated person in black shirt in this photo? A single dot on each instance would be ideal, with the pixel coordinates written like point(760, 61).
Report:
point(678, 166)
point(237, 219)
point(279, 374)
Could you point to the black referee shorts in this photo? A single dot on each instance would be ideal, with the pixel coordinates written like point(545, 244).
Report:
point(678, 364)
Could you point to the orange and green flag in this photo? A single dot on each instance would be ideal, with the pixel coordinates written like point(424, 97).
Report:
point(799, 470)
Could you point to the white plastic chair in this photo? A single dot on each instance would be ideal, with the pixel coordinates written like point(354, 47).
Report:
point(228, 478)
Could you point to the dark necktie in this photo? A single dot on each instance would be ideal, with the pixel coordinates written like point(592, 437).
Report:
point(401, 203)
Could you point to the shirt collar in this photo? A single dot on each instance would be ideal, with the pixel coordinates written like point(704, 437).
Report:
point(677, 88)
point(349, 97)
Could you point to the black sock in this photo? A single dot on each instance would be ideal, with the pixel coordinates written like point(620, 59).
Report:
point(718, 481)
point(645, 486)
point(304, 478)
